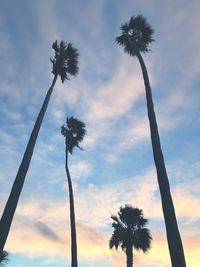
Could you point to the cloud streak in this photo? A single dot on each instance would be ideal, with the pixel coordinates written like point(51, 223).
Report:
point(46, 231)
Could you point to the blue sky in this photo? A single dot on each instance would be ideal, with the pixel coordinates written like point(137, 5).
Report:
point(116, 166)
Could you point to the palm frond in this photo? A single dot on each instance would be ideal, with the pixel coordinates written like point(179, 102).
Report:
point(55, 46)
point(114, 218)
point(142, 239)
point(136, 35)
point(72, 64)
point(125, 28)
point(4, 258)
point(114, 242)
point(63, 130)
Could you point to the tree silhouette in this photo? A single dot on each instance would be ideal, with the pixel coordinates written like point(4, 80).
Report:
point(130, 232)
point(135, 39)
point(65, 62)
point(74, 132)
point(4, 258)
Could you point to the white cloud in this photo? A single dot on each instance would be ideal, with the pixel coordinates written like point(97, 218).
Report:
point(80, 169)
point(118, 96)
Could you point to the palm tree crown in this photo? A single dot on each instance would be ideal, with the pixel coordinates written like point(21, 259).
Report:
point(65, 60)
point(129, 230)
point(136, 35)
point(74, 131)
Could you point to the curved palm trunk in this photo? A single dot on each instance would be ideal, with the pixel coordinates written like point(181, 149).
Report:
point(74, 261)
point(11, 205)
point(129, 256)
point(173, 235)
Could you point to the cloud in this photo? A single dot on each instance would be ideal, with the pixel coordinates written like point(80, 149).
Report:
point(134, 131)
point(46, 231)
point(94, 204)
point(42, 219)
point(80, 169)
point(116, 97)
point(93, 247)
point(172, 111)
point(47, 18)
point(183, 196)
point(6, 138)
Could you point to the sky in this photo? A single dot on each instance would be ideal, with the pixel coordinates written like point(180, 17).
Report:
point(116, 166)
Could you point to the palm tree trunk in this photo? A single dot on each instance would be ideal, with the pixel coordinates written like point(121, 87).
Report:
point(11, 205)
point(173, 235)
point(74, 261)
point(129, 256)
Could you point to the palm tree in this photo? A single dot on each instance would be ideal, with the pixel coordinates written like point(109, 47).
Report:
point(74, 132)
point(130, 232)
point(135, 39)
point(64, 62)
point(4, 258)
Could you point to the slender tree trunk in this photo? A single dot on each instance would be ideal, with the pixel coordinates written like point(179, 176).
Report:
point(173, 235)
point(74, 260)
point(11, 205)
point(129, 256)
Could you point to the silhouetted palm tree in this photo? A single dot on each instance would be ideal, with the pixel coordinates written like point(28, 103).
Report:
point(4, 258)
point(130, 232)
point(64, 62)
point(136, 37)
point(74, 132)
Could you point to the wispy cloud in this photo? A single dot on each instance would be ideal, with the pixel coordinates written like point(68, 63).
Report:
point(116, 97)
point(80, 169)
point(45, 230)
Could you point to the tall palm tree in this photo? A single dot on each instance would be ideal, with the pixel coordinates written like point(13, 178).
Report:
point(74, 132)
point(130, 232)
point(65, 62)
point(135, 39)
